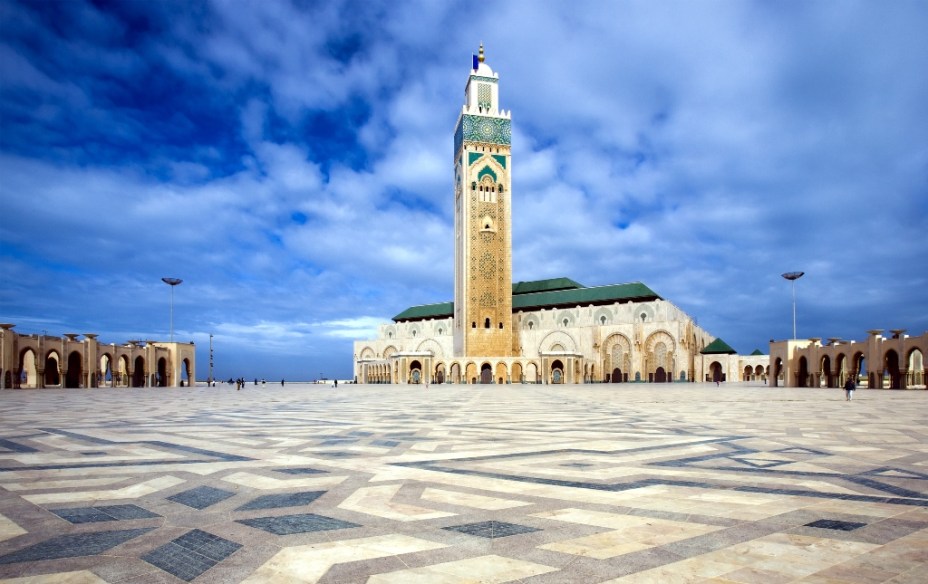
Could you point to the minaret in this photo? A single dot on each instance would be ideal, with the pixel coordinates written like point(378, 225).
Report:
point(482, 219)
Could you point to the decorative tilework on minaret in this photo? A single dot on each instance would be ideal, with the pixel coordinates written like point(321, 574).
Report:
point(482, 220)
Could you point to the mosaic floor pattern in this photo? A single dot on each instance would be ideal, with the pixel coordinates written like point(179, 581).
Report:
point(463, 484)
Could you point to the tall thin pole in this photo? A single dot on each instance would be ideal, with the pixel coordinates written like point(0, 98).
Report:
point(172, 282)
point(210, 359)
point(172, 313)
point(792, 277)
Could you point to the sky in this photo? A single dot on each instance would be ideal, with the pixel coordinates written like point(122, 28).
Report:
point(292, 163)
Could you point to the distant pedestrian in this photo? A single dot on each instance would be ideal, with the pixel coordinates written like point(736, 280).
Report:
point(336, 384)
point(849, 387)
point(281, 382)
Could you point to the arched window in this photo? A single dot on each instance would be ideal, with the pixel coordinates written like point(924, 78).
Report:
point(500, 326)
point(486, 323)
point(644, 317)
point(566, 322)
point(531, 325)
point(602, 320)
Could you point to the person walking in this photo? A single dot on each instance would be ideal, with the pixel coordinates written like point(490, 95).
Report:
point(849, 387)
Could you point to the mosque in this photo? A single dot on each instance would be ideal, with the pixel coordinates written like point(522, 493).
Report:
point(546, 331)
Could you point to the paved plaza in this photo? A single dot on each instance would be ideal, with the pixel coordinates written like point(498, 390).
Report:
point(453, 484)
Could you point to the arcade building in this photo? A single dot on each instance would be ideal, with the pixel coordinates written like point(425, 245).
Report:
point(43, 361)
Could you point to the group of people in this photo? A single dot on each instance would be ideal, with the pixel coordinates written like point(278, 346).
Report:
point(240, 382)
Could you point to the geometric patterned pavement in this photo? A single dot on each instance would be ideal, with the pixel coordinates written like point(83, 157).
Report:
point(452, 484)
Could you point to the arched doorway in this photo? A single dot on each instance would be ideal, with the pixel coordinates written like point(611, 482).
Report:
point(557, 372)
point(715, 372)
point(415, 372)
point(841, 369)
point(891, 370)
point(660, 376)
point(803, 372)
point(531, 373)
point(162, 372)
point(73, 376)
point(122, 372)
point(486, 373)
point(502, 374)
point(52, 371)
point(916, 368)
point(138, 374)
point(27, 374)
point(106, 370)
point(859, 369)
point(185, 372)
point(517, 375)
point(826, 372)
point(777, 372)
point(455, 373)
point(617, 376)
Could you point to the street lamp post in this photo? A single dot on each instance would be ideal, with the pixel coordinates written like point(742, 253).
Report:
point(172, 282)
point(792, 277)
point(210, 381)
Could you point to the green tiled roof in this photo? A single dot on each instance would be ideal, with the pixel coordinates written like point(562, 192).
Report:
point(546, 294)
point(718, 347)
point(757, 352)
point(423, 311)
point(595, 295)
point(544, 286)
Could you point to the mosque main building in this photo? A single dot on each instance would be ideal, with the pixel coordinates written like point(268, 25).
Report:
point(547, 331)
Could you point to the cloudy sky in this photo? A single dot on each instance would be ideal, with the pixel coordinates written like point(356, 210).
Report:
point(292, 163)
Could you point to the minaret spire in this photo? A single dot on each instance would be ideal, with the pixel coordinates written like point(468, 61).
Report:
point(480, 54)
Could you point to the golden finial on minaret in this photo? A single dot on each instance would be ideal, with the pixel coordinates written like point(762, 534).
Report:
point(480, 54)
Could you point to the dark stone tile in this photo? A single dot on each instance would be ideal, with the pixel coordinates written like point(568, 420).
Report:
point(179, 561)
point(201, 497)
point(835, 524)
point(338, 454)
point(103, 513)
point(491, 529)
point(283, 500)
point(191, 554)
point(83, 515)
point(302, 523)
point(300, 471)
point(207, 544)
point(11, 446)
point(73, 546)
point(125, 512)
point(388, 443)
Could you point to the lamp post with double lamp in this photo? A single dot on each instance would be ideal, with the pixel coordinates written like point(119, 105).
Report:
point(172, 282)
point(792, 277)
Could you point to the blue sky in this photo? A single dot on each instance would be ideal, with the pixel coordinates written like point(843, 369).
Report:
point(291, 161)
